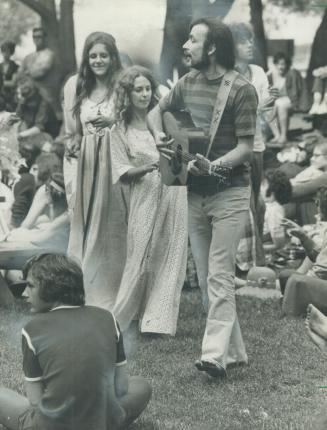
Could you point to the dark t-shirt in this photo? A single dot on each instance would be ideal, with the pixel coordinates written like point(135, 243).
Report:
point(24, 191)
point(72, 350)
point(195, 93)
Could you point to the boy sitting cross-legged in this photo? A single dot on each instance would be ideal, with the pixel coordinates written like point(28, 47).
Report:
point(73, 359)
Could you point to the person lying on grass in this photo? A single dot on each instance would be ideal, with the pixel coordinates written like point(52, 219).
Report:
point(73, 359)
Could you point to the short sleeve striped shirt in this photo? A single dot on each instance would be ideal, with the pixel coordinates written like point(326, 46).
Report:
point(196, 94)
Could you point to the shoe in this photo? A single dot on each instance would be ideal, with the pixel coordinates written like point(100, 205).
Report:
point(212, 369)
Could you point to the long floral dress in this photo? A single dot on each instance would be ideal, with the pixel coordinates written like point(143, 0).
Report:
point(156, 241)
point(99, 220)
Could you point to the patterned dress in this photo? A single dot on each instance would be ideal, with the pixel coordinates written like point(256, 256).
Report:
point(99, 227)
point(157, 238)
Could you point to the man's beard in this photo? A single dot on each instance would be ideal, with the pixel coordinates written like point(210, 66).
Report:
point(203, 63)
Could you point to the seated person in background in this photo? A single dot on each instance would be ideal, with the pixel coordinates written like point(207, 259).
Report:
point(24, 187)
point(6, 201)
point(46, 164)
point(7, 119)
point(47, 223)
point(36, 113)
point(45, 229)
point(277, 191)
point(292, 95)
point(8, 72)
point(319, 106)
point(306, 184)
point(43, 67)
point(309, 283)
point(74, 379)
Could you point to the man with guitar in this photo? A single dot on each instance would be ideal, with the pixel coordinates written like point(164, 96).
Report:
point(225, 103)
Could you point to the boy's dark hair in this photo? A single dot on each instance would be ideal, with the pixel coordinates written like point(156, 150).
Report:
point(48, 163)
point(280, 186)
point(219, 35)
point(29, 151)
point(281, 56)
point(8, 46)
point(60, 278)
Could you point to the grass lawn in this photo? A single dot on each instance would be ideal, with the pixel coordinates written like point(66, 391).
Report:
point(279, 389)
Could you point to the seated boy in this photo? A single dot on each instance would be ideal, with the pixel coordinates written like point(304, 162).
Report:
point(277, 191)
point(73, 359)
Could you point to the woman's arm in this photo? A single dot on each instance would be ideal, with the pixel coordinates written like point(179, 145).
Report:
point(40, 202)
point(10, 83)
point(309, 188)
point(137, 173)
point(307, 243)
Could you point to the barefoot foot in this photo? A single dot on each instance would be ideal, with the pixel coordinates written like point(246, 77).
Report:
point(317, 321)
point(316, 339)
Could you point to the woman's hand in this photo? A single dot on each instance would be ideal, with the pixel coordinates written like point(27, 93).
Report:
point(73, 146)
point(148, 168)
point(293, 229)
point(100, 121)
point(273, 92)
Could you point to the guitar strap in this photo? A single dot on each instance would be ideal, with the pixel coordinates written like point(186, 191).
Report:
point(222, 97)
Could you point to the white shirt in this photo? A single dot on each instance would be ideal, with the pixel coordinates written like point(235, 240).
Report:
point(260, 82)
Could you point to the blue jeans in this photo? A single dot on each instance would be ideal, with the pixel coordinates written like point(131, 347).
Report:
point(215, 228)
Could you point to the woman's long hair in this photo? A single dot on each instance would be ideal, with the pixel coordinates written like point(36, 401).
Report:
point(86, 79)
point(124, 86)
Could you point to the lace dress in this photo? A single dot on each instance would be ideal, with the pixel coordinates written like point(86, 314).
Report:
point(157, 238)
point(99, 220)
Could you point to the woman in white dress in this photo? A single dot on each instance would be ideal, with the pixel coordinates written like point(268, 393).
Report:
point(157, 226)
point(98, 227)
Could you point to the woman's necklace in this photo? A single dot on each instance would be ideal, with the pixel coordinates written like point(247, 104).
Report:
point(98, 96)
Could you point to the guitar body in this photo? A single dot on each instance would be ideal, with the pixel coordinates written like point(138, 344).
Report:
point(188, 139)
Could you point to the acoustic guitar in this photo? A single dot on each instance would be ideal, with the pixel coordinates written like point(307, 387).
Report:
point(188, 141)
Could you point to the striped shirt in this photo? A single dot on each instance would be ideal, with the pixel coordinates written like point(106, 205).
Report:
point(196, 94)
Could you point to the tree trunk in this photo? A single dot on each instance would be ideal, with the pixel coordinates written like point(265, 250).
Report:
point(67, 37)
point(256, 11)
point(318, 56)
point(218, 8)
point(178, 19)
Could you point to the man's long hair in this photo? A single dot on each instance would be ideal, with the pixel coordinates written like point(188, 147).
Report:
point(86, 79)
point(219, 35)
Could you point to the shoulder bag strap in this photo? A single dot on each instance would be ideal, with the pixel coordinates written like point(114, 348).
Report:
point(222, 96)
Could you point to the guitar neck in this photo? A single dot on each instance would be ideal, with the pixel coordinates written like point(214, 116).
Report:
point(186, 157)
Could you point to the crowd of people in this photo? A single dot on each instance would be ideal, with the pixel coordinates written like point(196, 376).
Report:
point(90, 232)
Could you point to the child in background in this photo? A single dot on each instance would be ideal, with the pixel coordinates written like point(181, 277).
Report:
point(7, 119)
point(277, 191)
point(319, 106)
point(73, 358)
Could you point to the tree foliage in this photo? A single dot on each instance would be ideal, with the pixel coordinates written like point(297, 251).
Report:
point(299, 5)
point(16, 19)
